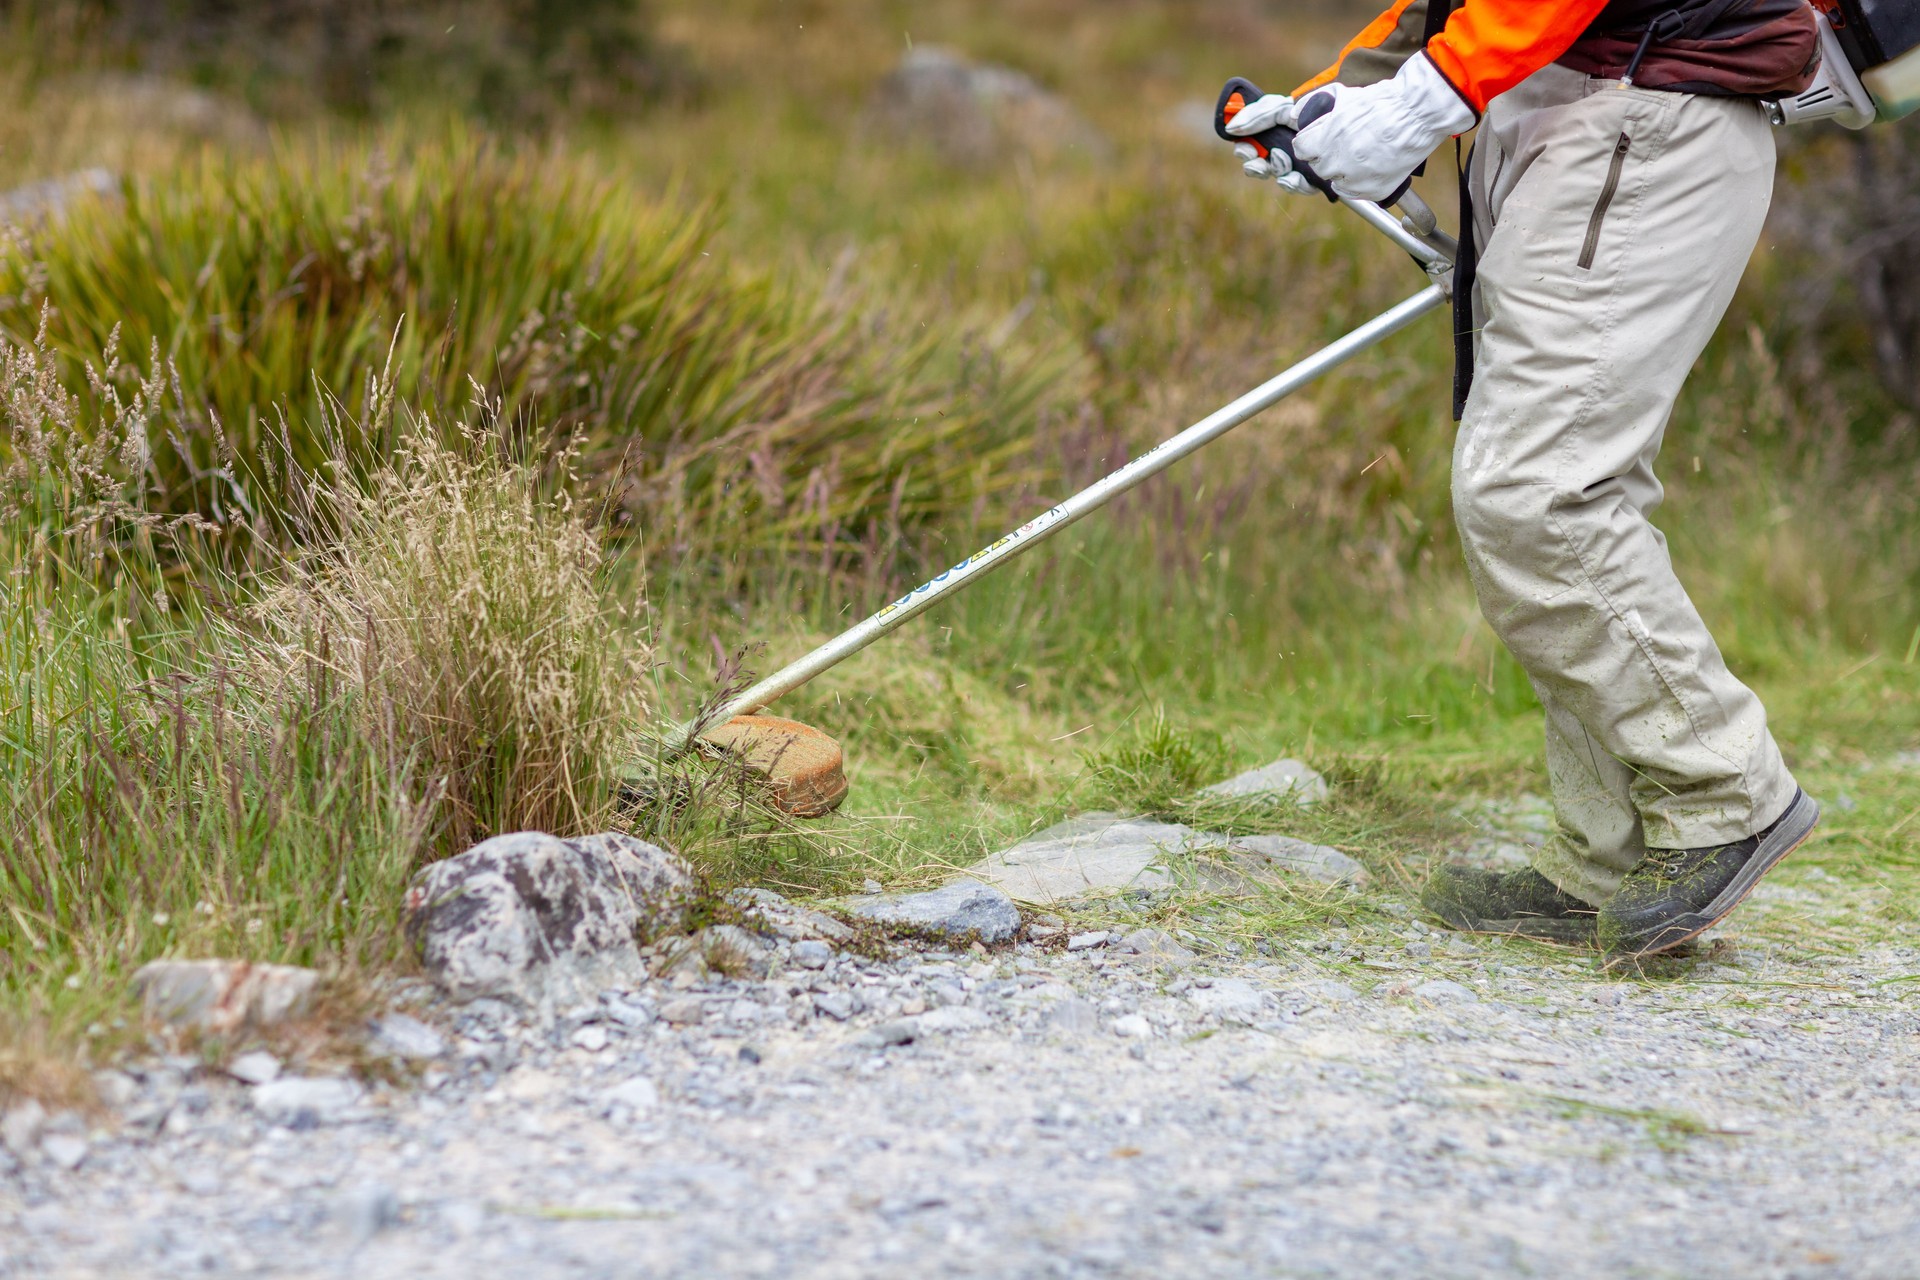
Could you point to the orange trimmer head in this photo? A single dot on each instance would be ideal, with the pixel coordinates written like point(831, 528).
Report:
point(803, 768)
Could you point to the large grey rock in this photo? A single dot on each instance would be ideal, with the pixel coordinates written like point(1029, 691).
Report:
point(1095, 853)
point(1293, 781)
point(224, 995)
point(965, 907)
point(542, 922)
point(977, 113)
point(50, 198)
point(1103, 853)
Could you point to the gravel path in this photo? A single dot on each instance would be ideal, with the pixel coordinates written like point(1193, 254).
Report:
point(1367, 1102)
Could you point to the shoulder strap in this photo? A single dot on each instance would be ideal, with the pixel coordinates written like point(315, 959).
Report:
point(1438, 11)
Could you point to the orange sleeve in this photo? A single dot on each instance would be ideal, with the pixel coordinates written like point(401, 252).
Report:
point(1489, 46)
point(1377, 52)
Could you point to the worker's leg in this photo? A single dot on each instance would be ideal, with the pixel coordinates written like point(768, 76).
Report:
point(1620, 223)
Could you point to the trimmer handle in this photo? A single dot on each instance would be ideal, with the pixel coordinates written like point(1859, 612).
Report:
point(1239, 94)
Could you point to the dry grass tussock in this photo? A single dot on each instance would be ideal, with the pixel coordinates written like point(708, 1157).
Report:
point(463, 600)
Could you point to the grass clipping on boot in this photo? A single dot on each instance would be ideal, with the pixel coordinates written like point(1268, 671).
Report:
point(463, 598)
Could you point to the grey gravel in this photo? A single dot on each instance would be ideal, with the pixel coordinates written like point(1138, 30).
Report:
point(1331, 1109)
point(22, 1125)
point(1074, 1016)
point(366, 1211)
point(402, 1036)
point(257, 1067)
point(1158, 946)
point(837, 1005)
point(64, 1150)
point(812, 954)
point(303, 1102)
point(904, 1031)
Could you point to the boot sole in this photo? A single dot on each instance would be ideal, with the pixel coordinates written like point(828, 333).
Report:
point(1568, 932)
point(1788, 834)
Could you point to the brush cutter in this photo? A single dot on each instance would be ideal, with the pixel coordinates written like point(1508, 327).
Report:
point(803, 766)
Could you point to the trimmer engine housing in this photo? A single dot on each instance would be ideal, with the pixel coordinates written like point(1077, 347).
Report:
point(1869, 66)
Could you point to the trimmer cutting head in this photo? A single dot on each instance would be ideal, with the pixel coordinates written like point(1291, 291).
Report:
point(804, 769)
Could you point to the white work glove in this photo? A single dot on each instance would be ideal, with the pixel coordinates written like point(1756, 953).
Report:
point(1257, 117)
point(1378, 134)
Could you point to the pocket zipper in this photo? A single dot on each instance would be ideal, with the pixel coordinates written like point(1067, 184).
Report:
point(1599, 217)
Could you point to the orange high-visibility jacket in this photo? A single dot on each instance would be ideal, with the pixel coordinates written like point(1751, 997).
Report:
point(1488, 46)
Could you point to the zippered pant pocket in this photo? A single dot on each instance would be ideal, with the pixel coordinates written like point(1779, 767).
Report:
point(1607, 192)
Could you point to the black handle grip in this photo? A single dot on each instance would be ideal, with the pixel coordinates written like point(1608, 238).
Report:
point(1280, 138)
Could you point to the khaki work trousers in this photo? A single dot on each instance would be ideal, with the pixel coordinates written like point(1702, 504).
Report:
point(1615, 223)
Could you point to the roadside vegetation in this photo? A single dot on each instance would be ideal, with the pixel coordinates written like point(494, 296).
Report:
point(380, 462)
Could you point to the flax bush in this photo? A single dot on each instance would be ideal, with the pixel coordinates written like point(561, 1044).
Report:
point(741, 411)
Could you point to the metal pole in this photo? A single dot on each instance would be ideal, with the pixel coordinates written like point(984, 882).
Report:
point(1045, 525)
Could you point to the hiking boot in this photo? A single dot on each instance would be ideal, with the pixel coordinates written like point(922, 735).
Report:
point(1677, 894)
point(1523, 903)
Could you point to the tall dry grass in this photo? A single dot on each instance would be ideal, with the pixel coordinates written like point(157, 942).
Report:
point(461, 598)
point(207, 754)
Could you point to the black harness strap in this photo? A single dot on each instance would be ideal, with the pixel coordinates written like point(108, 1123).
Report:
point(1466, 266)
point(1438, 11)
point(1466, 263)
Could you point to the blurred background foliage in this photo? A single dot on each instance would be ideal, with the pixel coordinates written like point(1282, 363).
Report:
point(509, 61)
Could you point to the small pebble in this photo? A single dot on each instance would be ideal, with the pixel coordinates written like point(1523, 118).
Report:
point(64, 1150)
point(684, 1012)
point(835, 1004)
point(254, 1068)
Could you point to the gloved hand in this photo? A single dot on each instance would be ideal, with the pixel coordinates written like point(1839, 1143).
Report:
point(1257, 117)
point(1378, 134)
